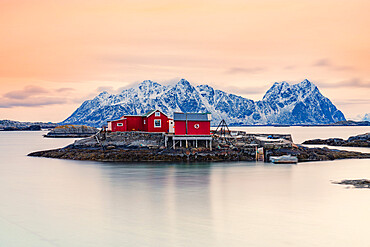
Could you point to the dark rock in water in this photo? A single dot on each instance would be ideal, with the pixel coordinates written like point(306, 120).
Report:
point(72, 131)
point(351, 123)
point(305, 154)
point(357, 183)
point(35, 127)
point(362, 140)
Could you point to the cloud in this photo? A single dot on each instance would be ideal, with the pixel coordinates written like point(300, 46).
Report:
point(64, 89)
point(127, 86)
point(27, 92)
point(328, 64)
point(246, 90)
point(33, 96)
point(290, 67)
point(241, 90)
point(353, 102)
point(105, 88)
point(352, 83)
point(322, 63)
point(171, 81)
point(240, 70)
point(31, 102)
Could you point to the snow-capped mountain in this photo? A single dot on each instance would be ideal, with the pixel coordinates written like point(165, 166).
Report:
point(283, 103)
point(366, 117)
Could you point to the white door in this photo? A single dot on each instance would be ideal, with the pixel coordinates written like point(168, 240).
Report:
point(171, 126)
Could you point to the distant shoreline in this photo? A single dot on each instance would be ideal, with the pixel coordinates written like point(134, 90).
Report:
point(37, 126)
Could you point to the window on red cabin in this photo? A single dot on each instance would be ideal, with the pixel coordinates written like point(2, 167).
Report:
point(120, 124)
point(157, 123)
point(144, 121)
point(157, 114)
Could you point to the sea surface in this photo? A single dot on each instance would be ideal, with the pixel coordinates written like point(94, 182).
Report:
point(51, 202)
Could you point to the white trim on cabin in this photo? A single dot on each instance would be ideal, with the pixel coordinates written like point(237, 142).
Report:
point(156, 121)
point(154, 112)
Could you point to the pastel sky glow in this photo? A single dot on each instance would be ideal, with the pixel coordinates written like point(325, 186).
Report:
point(56, 54)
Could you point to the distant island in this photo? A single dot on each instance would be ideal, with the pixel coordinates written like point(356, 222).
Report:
point(362, 140)
point(351, 123)
point(10, 125)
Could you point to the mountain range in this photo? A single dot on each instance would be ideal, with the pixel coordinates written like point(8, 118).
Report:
point(283, 104)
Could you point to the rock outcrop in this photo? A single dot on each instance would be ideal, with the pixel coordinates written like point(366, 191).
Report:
point(362, 140)
point(356, 183)
point(72, 131)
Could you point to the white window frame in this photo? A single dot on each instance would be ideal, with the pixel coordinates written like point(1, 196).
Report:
point(119, 124)
point(157, 114)
point(160, 123)
point(144, 121)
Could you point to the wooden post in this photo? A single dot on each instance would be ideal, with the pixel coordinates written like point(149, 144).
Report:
point(196, 143)
point(186, 143)
point(210, 144)
point(180, 143)
point(174, 143)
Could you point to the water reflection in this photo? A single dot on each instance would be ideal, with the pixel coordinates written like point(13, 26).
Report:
point(50, 202)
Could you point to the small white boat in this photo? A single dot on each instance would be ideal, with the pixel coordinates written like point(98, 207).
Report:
point(284, 159)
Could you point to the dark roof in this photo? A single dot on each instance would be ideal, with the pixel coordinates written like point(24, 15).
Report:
point(180, 116)
point(148, 113)
point(114, 120)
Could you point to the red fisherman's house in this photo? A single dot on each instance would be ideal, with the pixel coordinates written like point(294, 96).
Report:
point(153, 121)
point(192, 123)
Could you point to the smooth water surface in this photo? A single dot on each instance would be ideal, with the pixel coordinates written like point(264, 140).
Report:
point(301, 134)
point(50, 202)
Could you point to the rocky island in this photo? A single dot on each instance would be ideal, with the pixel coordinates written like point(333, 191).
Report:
point(134, 146)
point(356, 183)
point(67, 131)
point(362, 140)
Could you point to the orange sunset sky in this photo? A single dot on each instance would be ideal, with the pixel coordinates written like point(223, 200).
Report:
point(56, 54)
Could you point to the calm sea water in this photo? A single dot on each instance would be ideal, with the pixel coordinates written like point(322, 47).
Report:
point(50, 202)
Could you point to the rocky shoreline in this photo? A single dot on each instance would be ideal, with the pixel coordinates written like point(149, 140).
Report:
point(356, 183)
point(148, 147)
point(362, 140)
point(192, 155)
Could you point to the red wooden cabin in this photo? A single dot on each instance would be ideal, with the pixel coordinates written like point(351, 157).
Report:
point(192, 123)
point(153, 121)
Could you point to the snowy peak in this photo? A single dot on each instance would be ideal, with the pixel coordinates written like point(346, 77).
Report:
point(300, 103)
point(148, 84)
point(104, 94)
point(283, 90)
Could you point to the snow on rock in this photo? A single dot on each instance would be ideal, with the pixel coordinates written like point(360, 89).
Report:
point(283, 103)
